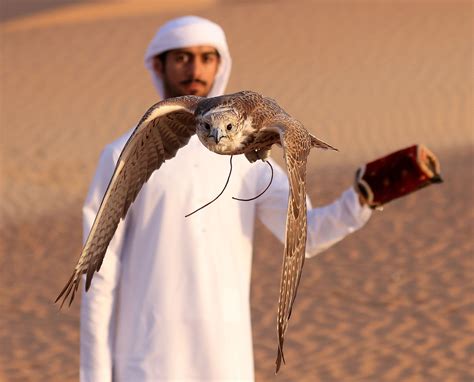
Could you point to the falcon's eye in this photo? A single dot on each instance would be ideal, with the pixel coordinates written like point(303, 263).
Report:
point(207, 126)
point(229, 126)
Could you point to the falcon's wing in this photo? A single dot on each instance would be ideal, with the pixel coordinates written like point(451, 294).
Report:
point(296, 143)
point(163, 130)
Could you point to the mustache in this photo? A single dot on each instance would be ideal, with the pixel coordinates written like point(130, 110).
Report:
point(193, 80)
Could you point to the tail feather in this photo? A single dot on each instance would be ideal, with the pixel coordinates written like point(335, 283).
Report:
point(315, 142)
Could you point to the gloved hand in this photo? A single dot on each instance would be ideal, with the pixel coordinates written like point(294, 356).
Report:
point(397, 174)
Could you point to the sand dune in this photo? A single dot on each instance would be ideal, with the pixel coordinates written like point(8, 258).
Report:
point(391, 303)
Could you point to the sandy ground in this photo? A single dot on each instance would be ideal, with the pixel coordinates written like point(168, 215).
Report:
point(393, 302)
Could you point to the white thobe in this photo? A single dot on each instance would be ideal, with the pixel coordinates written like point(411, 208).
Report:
point(171, 301)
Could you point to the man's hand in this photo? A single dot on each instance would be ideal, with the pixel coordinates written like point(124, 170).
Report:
point(396, 175)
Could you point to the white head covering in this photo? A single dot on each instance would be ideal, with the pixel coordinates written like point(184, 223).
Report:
point(185, 32)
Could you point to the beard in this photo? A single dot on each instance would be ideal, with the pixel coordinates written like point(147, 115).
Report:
point(190, 86)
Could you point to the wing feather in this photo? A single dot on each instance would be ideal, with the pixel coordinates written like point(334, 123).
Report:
point(296, 143)
point(163, 130)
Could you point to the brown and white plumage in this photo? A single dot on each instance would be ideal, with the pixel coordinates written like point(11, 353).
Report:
point(241, 123)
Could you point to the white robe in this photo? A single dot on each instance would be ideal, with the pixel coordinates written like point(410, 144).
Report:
point(171, 301)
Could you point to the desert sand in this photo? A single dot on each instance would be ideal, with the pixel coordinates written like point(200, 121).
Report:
point(392, 302)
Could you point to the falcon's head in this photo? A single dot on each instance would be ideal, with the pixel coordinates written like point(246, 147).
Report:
point(221, 129)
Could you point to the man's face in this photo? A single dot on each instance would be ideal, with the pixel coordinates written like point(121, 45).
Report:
point(188, 71)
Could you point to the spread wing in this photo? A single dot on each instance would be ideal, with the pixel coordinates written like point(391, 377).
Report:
point(297, 143)
point(162, 131)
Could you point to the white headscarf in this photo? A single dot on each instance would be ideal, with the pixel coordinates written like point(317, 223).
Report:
point(185, 32)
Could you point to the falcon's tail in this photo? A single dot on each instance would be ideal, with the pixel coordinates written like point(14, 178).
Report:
point(315, 142)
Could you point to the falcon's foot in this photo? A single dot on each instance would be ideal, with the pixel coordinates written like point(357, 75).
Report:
point(255, 155)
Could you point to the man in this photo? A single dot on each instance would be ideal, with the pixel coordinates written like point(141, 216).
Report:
point(171, 301)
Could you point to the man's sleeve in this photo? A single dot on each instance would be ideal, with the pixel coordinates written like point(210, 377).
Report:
point(329, 224)
point(326, 225)
point(97, 306)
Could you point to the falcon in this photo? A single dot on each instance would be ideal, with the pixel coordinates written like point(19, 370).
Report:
point(240, 123)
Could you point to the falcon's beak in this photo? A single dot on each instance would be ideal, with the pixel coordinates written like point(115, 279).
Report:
point(216, 134)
